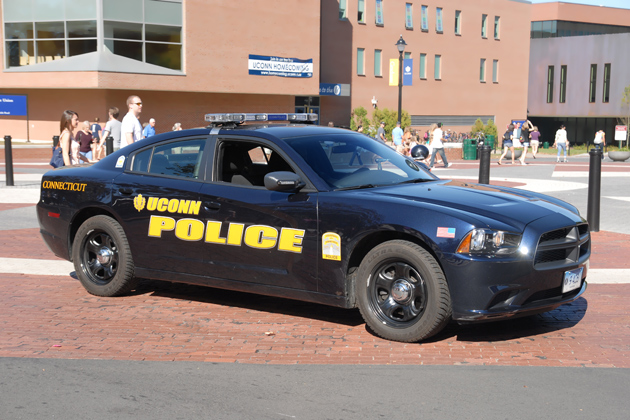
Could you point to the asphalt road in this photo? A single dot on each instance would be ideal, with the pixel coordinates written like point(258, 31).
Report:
point(101, 389)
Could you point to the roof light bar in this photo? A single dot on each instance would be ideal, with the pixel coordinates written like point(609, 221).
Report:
point(241, 118)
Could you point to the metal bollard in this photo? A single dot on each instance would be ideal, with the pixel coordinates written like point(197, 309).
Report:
point(109, 145)
point(594, 189)
point(8, 161)
point(484, 164)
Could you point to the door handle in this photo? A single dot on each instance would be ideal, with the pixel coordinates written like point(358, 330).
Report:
point(212, 206)
point(126, 190)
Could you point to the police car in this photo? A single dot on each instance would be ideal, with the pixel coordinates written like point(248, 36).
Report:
point(317, 214)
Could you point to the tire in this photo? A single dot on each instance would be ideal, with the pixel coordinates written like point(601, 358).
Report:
point(402, 292)
point(102, 257)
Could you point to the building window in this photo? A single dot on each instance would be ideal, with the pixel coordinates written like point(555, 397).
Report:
point(606, 97)
point(592, 91)
point(495, 71)
point(342, 9)
point(424, 18)
point(361, 7)
point(33, 42)
point(423, 66)
point(361, 61)
point(563, 84)
point(484, 26)
point(379, 13)
point(437, 67)
point(438, 20)
point(482, 70)
point(408, 16)
point(148, 31)
point(406, 55)
point(458, 22)
point(497, 21)
point(549, 84)
point(378, 63)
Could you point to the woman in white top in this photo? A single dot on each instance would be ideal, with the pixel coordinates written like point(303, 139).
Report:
point(69, 146)
point(561, 142)
point(600, 141)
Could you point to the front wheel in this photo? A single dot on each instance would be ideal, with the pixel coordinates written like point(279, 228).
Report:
point(102, 257)
point(402, 292)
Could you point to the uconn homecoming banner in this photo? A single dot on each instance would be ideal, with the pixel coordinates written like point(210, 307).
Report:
point(261, 65)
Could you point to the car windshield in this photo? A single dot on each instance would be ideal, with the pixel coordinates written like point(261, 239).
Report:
point(352, 160)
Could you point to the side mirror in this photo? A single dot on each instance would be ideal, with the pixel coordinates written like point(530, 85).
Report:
point(283, 181)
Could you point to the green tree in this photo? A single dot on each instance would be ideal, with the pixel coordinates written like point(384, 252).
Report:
point(491, 129)
point(477, 127)
point(390, 117)
point(625, 107)
point(359, 117)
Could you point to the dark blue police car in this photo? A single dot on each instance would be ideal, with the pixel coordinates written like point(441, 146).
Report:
point(316, 214)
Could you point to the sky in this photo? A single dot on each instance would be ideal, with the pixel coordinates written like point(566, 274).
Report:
point(622, 4)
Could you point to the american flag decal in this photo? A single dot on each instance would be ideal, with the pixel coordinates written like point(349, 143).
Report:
point(444, 232)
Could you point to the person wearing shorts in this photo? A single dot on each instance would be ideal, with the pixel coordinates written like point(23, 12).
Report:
point(508, 144)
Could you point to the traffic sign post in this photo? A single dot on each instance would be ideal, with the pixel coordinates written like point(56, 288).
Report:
point(621, 134)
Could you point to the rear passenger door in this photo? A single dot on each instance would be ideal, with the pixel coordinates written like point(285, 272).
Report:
point(157, 198)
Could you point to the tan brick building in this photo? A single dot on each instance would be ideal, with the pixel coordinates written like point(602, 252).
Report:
point(185, 58)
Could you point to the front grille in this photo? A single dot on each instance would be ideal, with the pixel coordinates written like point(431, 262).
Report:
point(563, 246)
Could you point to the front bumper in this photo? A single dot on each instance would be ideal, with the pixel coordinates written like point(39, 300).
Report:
point(485, 288)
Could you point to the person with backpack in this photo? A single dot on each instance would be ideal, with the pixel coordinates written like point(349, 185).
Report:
point(507, 143)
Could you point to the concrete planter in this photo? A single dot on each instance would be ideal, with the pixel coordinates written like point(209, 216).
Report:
point(619, 156)
point(517, 154)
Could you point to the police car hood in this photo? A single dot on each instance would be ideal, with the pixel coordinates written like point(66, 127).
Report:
point(514, 207)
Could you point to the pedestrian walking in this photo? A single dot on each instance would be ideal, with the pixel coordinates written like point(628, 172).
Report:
point(397, 138)
point(85, 139)
point(131, 130)
point(600, 141)
point(112, 128)
point(177, 127)
point(149, 130)
point(508, 143)
point(525, 135)
point(438, 147)
point(96, 130)
point(69, 146)
point(561, 142)
point(534, 141)
point(380, 133)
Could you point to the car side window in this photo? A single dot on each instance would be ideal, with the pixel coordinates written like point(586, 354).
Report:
point(247, 163)
point(178, 159)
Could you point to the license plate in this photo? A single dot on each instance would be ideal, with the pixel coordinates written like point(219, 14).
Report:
point(572, 279)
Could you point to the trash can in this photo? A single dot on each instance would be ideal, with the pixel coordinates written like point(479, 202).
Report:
point(470, 150)
point(490, 141)
point(546, 145)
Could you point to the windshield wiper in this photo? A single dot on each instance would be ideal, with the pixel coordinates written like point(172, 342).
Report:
point(417, 181)
point(357, 187)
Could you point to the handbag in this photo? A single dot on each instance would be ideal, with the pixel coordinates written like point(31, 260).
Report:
point(57, 157)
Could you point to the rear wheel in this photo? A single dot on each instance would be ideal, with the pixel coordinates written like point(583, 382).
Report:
point(102, 258)
point(402, 292)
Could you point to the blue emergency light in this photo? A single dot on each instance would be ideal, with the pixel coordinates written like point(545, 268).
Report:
point(241, 118)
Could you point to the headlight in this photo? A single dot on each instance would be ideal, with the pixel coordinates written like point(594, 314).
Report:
point(489, 242)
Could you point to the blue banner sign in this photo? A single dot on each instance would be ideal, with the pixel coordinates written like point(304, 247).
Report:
point(407, 72)
point(334, 89)
point(13, 105)
point(261, 65)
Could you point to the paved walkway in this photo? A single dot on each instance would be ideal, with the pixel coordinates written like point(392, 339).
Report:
point(44, 312)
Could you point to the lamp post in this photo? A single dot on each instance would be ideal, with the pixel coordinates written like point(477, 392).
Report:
point(401, 47)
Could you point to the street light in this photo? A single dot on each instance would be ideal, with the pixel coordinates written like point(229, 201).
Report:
point(401, 44)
